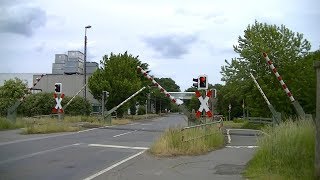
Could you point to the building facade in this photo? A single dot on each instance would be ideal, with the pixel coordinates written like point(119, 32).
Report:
point(71, 85)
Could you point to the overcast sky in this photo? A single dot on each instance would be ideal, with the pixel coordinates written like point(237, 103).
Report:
point(178, 39)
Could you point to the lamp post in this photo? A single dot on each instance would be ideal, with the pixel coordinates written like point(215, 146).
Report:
point(85, 60)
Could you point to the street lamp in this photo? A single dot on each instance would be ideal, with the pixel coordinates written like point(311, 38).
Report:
point(85, 60)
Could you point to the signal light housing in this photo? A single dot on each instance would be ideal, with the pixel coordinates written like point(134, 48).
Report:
point(203, 82)
point(58, 88)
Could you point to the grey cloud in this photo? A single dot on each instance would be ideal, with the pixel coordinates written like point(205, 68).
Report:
point(40, 47)
point(215, 17)
point(21, 19)
point(4, 3)
point(172, 45)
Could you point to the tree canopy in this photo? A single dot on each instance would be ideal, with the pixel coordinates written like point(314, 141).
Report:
point(118, 75)
point(158, 98)
point(289, 52)
point(10, 92)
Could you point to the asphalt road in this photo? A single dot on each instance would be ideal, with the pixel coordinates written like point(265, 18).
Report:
point(104, 153)
point(81, 154)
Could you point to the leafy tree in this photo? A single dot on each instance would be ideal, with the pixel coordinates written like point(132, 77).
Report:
point(117, 75)
point(159, 98)
point(10, 92)
point(287, 50)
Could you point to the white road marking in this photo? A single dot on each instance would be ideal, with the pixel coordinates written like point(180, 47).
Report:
point(238, 147)
point(146, 124)
point(87, 130)
point(229, 137)
point(113, 166)
point(124, 133)
point(37, 153)
point(116, 146)
point(133, 124)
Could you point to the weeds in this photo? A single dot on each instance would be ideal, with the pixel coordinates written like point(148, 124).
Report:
point(172, 144)
point(288, 153)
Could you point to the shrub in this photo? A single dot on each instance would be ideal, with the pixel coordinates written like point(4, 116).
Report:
point(141, 110)
point(79, 106)
point(133, 109)
point(37, 104)
point(42, 104)
point(10, 92)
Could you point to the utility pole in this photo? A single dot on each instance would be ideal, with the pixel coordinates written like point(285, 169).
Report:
point(243, 116)
point(85, 61)
point(229, 111)
point(317, 124)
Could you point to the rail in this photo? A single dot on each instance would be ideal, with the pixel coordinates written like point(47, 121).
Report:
point(260, 120)
point(200, 126)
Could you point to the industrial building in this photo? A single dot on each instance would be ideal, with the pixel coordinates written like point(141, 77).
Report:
point(68, 69)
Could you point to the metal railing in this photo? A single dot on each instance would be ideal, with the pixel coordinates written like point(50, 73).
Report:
point(200, 126)
point(260, 120)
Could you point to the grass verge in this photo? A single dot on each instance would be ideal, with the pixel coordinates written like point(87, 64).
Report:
point(288, 153)
point(243, 124)
point(46, 124)
point(171, 144)
point(6, 124)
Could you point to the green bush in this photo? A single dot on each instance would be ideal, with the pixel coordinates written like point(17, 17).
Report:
point(10, 92)
point(43, 103)
point(37, 104)
point(239, 120)
point(77, 107)
point(141, 110)
point(133, 109)
point(250, 125)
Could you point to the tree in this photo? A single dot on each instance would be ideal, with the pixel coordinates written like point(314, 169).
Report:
point(285, 48)
point(118, 75)
point(158, 98)
point(10, 92)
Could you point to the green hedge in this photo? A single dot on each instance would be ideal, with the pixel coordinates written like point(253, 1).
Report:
point(42, 104)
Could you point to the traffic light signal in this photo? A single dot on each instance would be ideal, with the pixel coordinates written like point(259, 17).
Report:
point(203, 82)
point(196, 84)
point(58, 88)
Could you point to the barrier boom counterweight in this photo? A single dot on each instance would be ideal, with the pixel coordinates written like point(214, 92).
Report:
point(295, 103)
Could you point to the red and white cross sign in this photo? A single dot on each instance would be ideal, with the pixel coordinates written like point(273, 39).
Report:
point(204, 104)
point(58, 107)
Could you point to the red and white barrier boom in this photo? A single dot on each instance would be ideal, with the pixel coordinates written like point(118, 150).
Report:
point(174, 100)
point(295, 103)
point(29, 90)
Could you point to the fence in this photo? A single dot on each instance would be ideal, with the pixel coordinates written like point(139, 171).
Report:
point(260, 120)
point(183, 130)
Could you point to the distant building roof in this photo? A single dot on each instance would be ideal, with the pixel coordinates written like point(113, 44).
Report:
point(25, 77)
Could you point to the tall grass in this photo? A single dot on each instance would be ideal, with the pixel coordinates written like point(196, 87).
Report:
point(171, 144)
point(7, 124)
point(288, 153)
